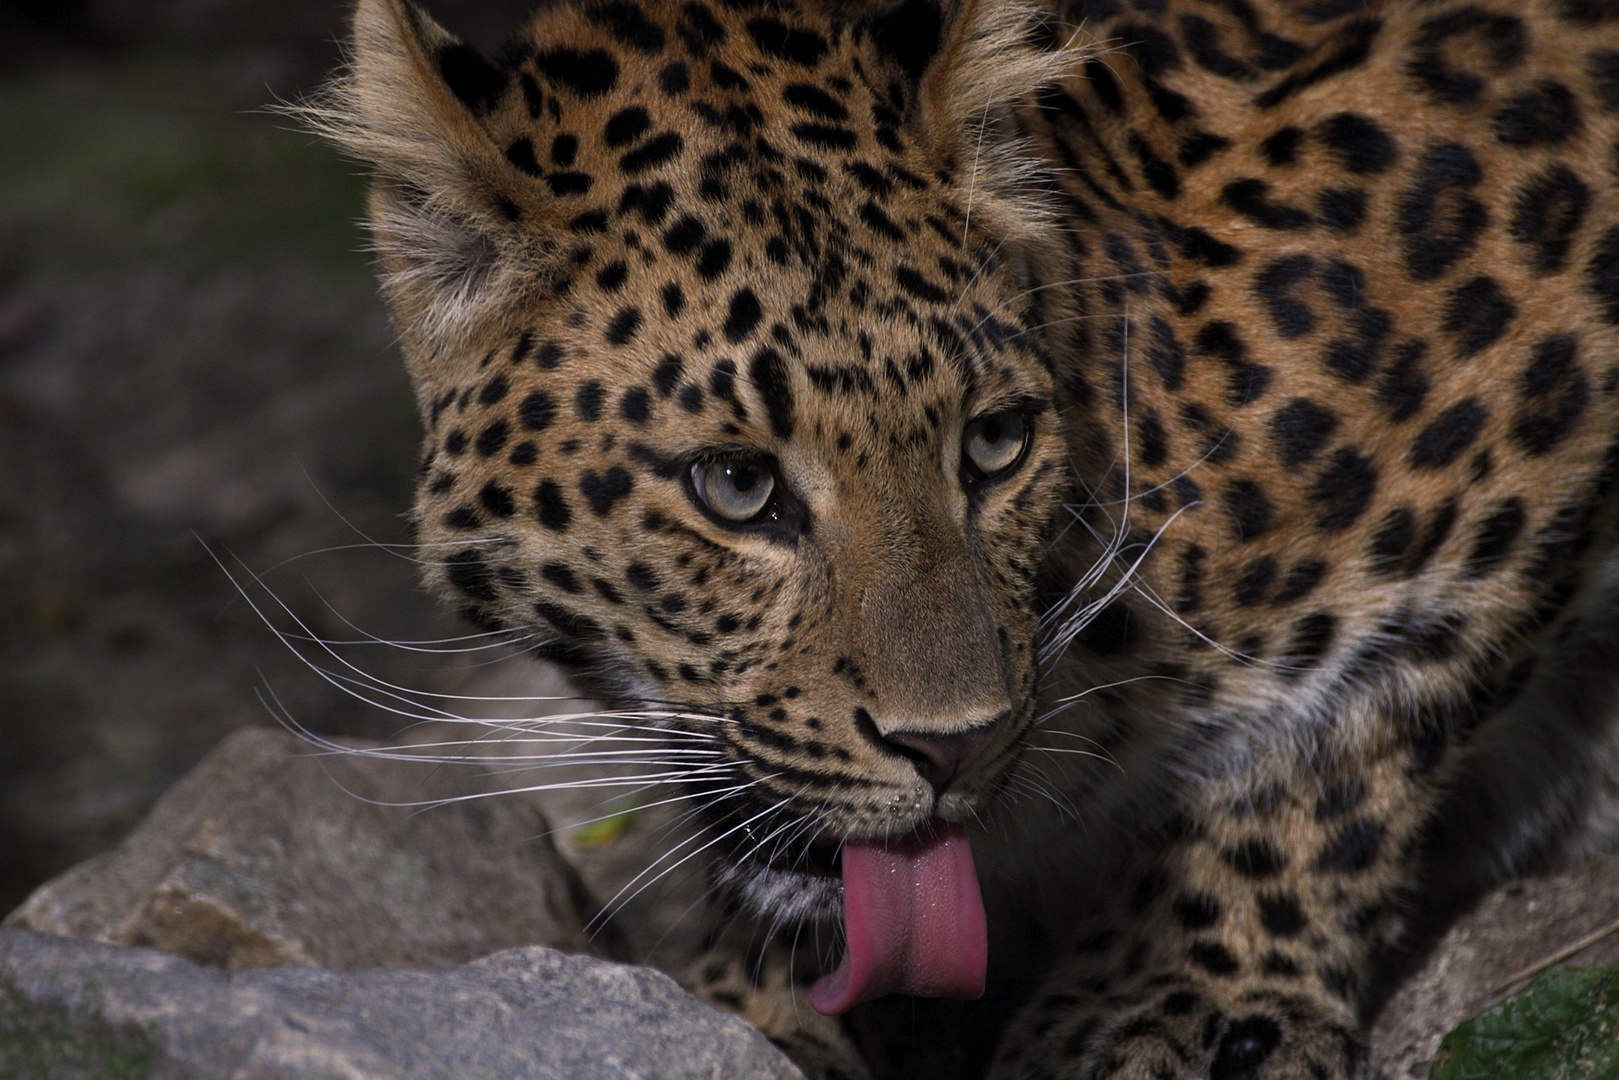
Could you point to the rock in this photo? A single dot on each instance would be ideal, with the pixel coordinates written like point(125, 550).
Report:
point(1474, 965)
point(268, 854)
point(632, 844)
point(72, 1010)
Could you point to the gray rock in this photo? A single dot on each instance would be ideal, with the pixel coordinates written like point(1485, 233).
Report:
point(265, 855)
point(73, 1010)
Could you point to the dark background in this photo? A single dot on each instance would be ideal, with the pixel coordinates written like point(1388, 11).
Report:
point(192, 357)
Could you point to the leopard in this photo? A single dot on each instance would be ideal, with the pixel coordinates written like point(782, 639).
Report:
point(1109, 502)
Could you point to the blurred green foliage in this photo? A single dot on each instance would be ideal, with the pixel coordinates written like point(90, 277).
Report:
point(1565, 1026)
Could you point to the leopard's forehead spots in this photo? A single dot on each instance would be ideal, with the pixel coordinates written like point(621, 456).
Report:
point(711, 259)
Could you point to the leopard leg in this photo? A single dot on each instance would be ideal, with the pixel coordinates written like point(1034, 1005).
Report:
point(1242, 948)
point(767, 987)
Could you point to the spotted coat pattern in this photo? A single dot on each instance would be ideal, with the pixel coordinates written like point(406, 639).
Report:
point(1226, 388)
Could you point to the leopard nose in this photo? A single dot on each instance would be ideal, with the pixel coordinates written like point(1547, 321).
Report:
point(941, 757)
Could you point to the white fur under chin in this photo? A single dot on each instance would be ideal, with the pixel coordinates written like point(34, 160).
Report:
point(786, 896)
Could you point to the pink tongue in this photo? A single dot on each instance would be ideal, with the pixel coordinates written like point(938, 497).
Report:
point(914, 919)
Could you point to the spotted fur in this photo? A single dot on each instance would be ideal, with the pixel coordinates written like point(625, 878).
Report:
point(1304, 315)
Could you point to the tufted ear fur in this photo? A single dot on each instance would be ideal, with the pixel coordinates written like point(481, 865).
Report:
point(444, 201)
point(973, 63)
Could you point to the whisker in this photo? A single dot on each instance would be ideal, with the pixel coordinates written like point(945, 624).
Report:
point(619, 899)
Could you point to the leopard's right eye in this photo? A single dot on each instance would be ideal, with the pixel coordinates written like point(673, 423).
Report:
point(739, 490)
point(993, 444)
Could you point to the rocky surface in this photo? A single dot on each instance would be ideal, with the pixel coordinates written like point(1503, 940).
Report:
point(72, 1010)
point(271, 852)
point(1479, 961)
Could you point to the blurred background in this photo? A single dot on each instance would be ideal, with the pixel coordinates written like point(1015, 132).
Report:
point(192, 359)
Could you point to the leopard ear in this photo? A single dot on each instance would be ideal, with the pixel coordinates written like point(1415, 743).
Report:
point(459, 230)
point(968, 65)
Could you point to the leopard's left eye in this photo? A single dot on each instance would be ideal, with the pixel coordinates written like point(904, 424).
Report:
point(737, 490)
point(993, 444)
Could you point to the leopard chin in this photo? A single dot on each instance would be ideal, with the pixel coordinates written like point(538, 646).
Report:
point(808, 892)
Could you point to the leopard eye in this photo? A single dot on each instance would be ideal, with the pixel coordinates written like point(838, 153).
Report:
point(734, 489)
point(992, 444)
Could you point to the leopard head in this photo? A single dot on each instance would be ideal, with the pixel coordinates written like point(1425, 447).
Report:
point(735, 393)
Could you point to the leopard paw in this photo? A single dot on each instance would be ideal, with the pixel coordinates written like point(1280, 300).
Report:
point(1184, 1033)
point(761, 990)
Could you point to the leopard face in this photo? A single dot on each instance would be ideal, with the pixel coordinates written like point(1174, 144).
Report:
point(726, 379)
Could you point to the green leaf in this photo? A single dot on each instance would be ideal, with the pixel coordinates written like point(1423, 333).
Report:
point(1565, 1026)
point(607, 829)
